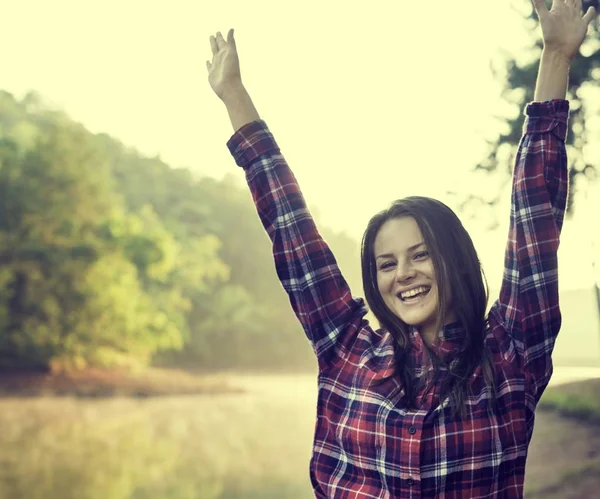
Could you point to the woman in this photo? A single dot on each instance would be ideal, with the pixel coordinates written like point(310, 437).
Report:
point(440, 400)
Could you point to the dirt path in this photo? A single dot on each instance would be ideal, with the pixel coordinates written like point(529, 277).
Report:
point(564, 459)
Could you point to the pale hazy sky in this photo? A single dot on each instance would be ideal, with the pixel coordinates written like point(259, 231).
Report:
point(369, 101)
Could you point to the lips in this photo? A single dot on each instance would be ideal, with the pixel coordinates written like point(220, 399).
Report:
point(423, 291)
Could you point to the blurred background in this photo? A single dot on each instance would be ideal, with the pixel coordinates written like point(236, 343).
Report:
point(147, 348)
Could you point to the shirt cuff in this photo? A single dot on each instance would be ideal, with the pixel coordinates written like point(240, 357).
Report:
point(549, 116)
point(250, 142)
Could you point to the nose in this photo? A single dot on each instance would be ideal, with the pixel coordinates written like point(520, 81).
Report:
point(405, 271)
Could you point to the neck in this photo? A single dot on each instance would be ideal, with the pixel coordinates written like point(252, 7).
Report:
point(430, 337)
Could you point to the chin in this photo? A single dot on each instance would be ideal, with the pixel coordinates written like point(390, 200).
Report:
point(416, 317)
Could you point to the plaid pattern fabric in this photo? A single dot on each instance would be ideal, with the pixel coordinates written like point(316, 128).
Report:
point(366, 444)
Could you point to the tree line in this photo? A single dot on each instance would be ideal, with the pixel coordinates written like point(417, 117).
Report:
point(110, 258)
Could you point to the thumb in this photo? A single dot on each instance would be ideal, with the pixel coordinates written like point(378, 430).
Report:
point(540, 7)
point(589, 15)
point(230, 38)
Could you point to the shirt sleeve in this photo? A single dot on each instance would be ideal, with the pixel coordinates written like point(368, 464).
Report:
point(528, 306)
point(318, 293)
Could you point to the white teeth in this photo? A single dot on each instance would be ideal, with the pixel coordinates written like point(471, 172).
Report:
point(413, 292)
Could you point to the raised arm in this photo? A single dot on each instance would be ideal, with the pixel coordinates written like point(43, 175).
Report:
point(563, 30)
point(225, 79)
point(528, 304)
point(307, 269)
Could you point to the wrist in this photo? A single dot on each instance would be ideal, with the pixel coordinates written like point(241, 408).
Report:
point(556, 58)
point(232, 92)
point(239, 106)
point(553, 78)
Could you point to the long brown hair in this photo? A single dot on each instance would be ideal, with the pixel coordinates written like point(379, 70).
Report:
point(455, 264)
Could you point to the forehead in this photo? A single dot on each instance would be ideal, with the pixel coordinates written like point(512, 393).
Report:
point(397, 235)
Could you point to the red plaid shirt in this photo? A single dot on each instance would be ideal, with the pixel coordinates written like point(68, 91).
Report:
point(366, 444)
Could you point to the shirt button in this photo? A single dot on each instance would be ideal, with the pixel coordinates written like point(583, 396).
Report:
point(412, 430)
point(409, 481)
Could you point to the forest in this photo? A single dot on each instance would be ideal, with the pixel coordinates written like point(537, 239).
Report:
point(109, 258)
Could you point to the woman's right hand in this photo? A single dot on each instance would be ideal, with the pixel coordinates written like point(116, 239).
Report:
point(224, 71)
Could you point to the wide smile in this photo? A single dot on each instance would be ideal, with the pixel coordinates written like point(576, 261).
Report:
point(413, 299)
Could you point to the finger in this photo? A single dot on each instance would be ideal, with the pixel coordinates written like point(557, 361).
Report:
point(540, 7)
point(230, 38)
point(220, 40)
point(589, 15)
point(576, 4)
point(213, 45)
point(208, 65)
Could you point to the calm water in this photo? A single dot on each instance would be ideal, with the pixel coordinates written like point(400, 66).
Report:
point(255, 445)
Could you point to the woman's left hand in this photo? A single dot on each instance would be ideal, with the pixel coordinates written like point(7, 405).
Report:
point(563, 26)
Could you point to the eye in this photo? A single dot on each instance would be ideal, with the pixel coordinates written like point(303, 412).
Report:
point(386, 265)
point(422, 254)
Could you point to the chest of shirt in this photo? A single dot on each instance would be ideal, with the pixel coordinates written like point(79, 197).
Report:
point(364, 417)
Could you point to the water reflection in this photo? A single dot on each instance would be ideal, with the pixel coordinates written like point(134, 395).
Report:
point(184, 448)
point(254, 445)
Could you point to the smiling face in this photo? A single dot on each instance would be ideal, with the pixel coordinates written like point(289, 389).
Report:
point(404, 265)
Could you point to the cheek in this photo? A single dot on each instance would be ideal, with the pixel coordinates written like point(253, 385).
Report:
point(429, 270)
point(383, 285)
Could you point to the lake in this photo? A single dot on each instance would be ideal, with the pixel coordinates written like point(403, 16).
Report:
point(255, 445)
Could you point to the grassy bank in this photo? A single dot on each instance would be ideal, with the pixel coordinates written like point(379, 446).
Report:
point(580, 400)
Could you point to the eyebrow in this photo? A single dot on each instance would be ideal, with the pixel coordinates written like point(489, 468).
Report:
point(389, 255)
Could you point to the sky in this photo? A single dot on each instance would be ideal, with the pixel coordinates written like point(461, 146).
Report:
point(368, 101)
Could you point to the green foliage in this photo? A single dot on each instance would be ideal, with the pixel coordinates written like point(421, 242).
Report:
point(77, 267)
point(110, 258)
point(585, 408)
point(520, 76)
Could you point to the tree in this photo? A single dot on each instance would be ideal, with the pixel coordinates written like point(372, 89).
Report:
point(584, 96)
point(520, 79)
point(111, 258)
point(75, 267)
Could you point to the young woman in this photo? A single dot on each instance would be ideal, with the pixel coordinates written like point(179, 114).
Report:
point(440, 400)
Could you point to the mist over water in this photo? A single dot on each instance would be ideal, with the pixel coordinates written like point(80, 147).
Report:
point(253, 445)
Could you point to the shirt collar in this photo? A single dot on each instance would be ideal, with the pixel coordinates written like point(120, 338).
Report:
point(451, 337)
point(453, 332)
point(450, 332)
